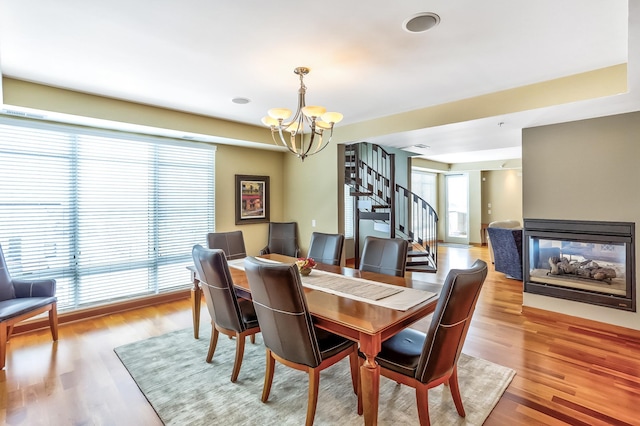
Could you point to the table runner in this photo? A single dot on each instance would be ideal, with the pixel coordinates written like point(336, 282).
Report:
point(373, 292)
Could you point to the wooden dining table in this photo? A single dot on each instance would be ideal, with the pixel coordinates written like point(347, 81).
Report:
point(366, 323)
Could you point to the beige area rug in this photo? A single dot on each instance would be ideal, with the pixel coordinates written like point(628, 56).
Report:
point(171, 372)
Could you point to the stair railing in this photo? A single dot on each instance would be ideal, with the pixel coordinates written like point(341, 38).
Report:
point(417, 221)
point(370, 172)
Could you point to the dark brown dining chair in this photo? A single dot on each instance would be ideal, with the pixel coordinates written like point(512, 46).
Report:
point(424, 361)
point(288, 330)
point(231, 243)
point(230, 315)
point(384, 255)
point(283, 239)
point(326, 248)
point(23, 299)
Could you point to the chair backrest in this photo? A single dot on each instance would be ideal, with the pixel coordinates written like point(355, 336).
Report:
point(450, 322)
point(326, 248)
point(384, 255)
point(7, 291)
point(506, 244)
point(499, 224)
point(281, 308)
point(232, 243)
point(283, 238)
point(217, 286)
point(505, 224)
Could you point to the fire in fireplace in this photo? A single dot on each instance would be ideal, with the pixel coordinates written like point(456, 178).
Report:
point(584, 261)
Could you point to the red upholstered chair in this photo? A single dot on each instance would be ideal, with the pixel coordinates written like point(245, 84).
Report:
point(424, 361)
point(22, 299)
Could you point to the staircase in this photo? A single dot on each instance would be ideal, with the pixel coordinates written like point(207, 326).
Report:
point(370, 174)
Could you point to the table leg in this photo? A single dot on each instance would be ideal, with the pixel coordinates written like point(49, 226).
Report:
point(196, 298)
point(370, 378)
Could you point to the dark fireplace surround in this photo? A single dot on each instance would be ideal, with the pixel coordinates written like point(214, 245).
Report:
point(585, 261)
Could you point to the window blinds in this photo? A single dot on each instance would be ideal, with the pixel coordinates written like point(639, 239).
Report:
point(109, 215)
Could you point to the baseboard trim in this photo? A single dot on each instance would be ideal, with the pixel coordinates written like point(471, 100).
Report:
point(544, 315)
point(102, 310)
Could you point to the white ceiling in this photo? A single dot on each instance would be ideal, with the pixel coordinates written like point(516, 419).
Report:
point(196, 55)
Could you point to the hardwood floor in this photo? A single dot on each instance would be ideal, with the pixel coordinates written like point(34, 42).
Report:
point(569, 371)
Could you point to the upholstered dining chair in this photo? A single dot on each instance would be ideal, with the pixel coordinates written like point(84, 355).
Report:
point(230, 315)
point(283, 239)
point(288, 330)
point(22, 299)
point(424, 361)
point(384, 255)
point(326, 248)
point(231, 243)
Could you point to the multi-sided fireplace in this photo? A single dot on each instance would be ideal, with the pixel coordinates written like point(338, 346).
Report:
point(585, 261)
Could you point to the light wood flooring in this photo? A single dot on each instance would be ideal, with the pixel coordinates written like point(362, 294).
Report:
point(569, 371)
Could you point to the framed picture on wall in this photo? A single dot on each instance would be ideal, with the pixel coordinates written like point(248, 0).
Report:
point(252, 199)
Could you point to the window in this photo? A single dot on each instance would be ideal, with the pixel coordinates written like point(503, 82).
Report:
point(348, 212)
point(109, 215)
point(424, 184)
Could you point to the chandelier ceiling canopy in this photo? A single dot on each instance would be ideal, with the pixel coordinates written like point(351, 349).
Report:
point(308, 127)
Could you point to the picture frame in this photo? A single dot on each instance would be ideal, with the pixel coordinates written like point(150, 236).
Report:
point(252, 199)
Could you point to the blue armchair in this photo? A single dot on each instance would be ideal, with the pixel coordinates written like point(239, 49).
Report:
point(507, 250)
point(22, 299)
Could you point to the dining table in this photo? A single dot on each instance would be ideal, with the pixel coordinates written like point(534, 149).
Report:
point(368, 322)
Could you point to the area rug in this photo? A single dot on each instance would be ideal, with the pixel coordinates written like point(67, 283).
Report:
point(171, 372)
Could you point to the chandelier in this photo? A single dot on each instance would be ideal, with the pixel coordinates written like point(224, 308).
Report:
point(308, 126)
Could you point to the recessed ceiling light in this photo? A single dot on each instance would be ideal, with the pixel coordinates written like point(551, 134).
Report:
point(421, 22)
point(240, 101)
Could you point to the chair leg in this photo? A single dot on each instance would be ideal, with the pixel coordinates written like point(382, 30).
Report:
point(359, 393)
point(314, 384)
point(253, 339)
point(240, 339)
point(422, 399)
point(268, 376)
point(355, 369)
point(455, 391)
point(3, 344)
point(212, 342)
point(53, 321)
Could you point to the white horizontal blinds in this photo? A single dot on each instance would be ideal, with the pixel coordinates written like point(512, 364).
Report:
point(348, 213)
point(115, 214)
point(184, 208)
point(133, 208)
point(36, 204)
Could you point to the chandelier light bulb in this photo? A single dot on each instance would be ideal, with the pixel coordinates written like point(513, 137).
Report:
point(279, 113)
point(269, 121)
point(313, 111)
point(332, 117)
point(293, 127)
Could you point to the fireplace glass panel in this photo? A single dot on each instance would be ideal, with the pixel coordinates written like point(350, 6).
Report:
point(585, 265)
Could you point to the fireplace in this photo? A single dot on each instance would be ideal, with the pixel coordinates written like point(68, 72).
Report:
point(584, 261)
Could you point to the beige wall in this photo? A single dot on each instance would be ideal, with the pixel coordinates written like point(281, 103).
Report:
point(584, 170)
point(503, 190)
point(230, 161)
